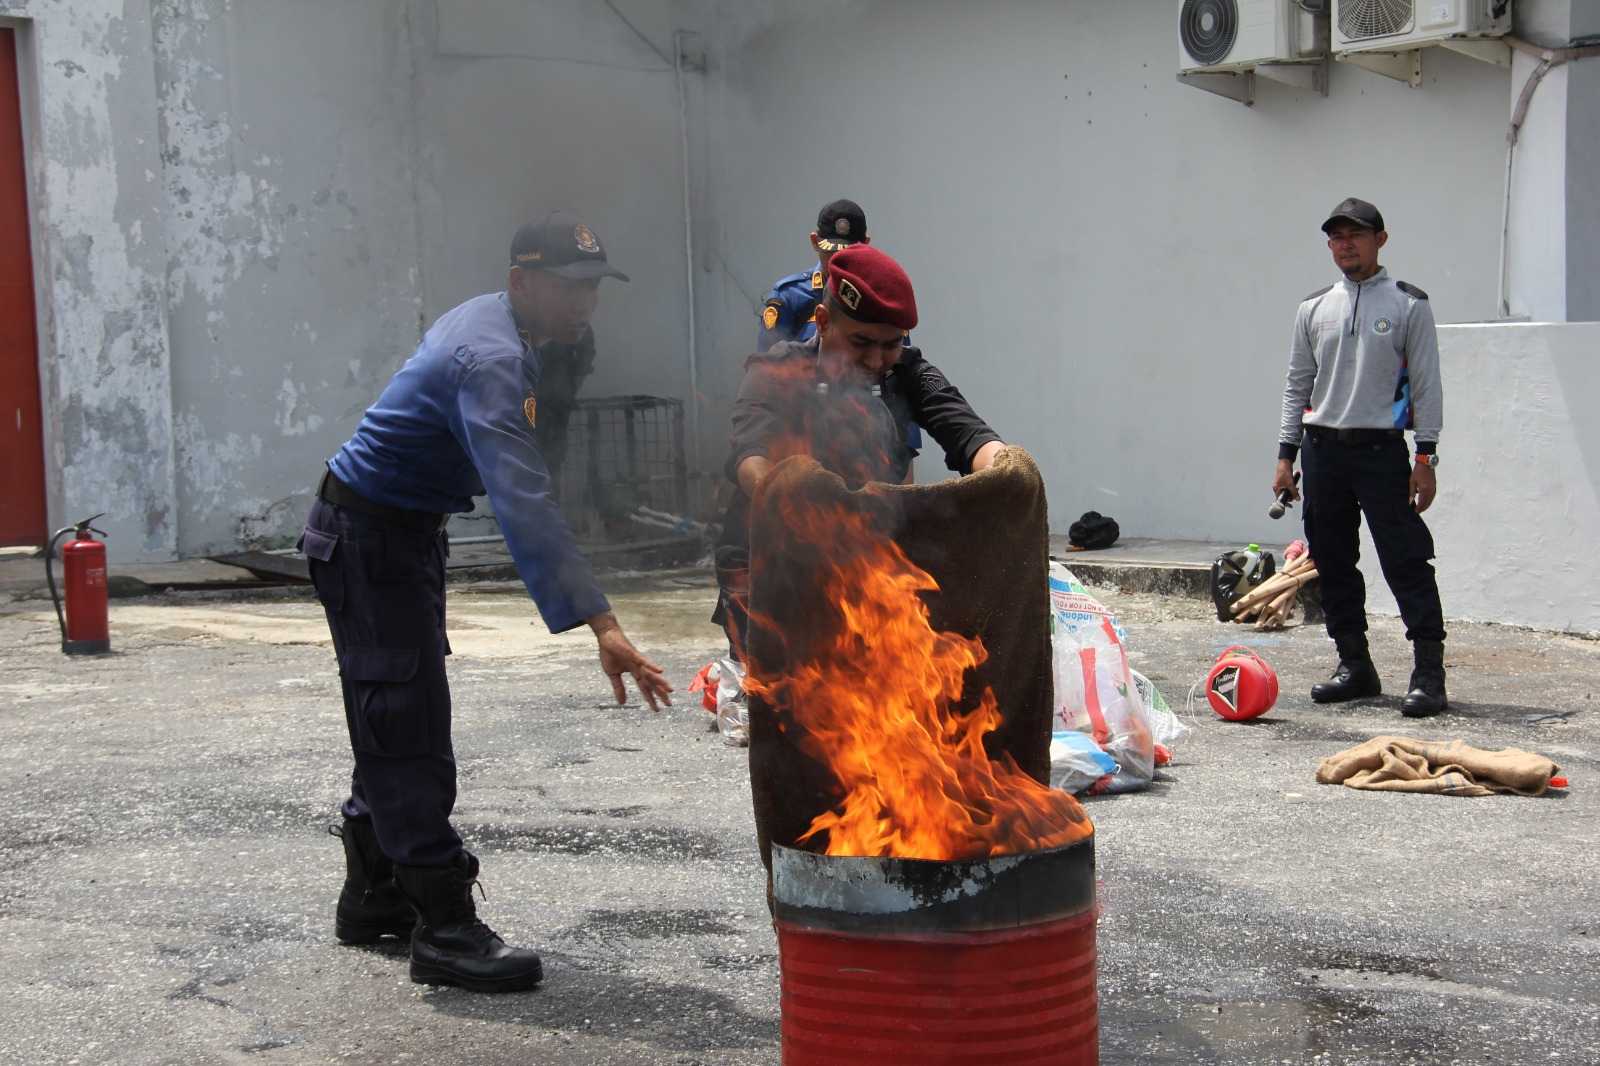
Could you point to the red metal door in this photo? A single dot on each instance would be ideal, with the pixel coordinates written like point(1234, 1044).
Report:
point(22, 507)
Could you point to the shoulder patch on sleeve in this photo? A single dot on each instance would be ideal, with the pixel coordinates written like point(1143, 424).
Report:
point(1410, 290)
point(1319, 292)
point(769, 314)
point(816, 279)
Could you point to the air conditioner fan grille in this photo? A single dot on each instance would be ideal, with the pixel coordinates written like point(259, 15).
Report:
point(1208, 29)
point(1360, 19)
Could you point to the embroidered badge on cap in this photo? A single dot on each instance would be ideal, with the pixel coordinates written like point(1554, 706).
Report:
point(1382, 326)
point(849, 294)
point(530, 408)
point(769, 317)
point(586, 240)
point(816, 279)
point(841, 226)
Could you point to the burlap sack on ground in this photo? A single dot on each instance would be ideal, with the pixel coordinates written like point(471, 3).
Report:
point(983, 538)
point(1401, 764)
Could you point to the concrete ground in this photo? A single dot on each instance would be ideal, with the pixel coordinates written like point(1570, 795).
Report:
point(166, 885)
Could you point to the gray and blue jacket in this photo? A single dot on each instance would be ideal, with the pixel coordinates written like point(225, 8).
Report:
point(1364, 356)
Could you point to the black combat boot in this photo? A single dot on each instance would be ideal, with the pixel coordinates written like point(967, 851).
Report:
point(450, 945)
point(1354, 679)
point(370, 906)
point(1426, 697)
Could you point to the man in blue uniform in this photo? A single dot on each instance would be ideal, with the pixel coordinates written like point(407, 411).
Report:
point(845, 397)
point(1363, 369)
point(460, 418)
point(790, 313)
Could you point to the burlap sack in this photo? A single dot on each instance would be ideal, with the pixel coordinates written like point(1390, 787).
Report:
point(1452, 768)
point(984, 538)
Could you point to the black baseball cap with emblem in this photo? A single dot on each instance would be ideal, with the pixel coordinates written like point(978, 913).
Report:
point(558, 242)
point(839, 225)
point(1358, 211)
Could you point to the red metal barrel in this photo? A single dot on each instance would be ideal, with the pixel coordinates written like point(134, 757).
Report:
point(985, 963)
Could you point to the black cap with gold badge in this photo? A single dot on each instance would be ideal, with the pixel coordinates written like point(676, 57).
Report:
point(558, 242)
point(839, 225)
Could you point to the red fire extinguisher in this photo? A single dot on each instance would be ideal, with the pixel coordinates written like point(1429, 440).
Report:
point(86, 628)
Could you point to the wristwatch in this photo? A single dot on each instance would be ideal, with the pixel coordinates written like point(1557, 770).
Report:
point(1430, 459)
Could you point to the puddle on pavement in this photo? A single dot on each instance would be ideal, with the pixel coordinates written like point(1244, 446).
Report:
point(650, 842)
point(1263, 1031)
point(649, 925)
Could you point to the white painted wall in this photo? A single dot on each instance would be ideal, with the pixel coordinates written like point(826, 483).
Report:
point(1107, 262)
point(248, 211)
point(1519, 478)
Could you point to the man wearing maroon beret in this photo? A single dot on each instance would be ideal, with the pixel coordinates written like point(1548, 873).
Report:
point(845, 397)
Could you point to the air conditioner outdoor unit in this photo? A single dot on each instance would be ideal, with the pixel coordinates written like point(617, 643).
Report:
point(1401, 25)
point(1233, 35)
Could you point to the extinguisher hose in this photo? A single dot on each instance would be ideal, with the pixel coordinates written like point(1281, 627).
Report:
point(50, 578)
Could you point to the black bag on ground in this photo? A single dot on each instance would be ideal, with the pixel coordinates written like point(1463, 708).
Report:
point(1093, 530)
point(1235, 574)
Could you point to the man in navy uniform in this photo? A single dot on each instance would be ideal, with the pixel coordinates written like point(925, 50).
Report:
point(846, 397)
point(790, 313)
point(458, 419)
point(1364, 368)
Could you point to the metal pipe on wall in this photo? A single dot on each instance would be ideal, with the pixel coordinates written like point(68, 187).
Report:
point(1549, 58)
point(693, 422)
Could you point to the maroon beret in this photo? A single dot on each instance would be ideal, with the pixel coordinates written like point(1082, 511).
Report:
point(872, 287)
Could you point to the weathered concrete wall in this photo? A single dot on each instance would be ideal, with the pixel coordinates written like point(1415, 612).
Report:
point(292, 274)
point(227, 253)
point(100, 264)
point(1519, 478)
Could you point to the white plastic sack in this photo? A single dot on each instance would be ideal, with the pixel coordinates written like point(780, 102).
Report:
point(1076, 762)
point(733, 706)
point(1097, 692)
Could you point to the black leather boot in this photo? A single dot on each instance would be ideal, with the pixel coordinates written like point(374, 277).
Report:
point(1426, 697)
point(1354, 679)
point(451, 946)
point(370, 906)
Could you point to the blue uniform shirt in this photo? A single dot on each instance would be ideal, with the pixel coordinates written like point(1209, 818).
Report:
point(459, 418)
point(790, 313)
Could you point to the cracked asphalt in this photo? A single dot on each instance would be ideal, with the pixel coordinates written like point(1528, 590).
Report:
point(167, 882)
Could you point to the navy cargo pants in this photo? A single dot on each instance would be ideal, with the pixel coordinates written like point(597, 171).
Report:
point(1343, 482)
point(382, 586)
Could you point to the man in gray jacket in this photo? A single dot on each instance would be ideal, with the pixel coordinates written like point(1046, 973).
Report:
point(1364, 368)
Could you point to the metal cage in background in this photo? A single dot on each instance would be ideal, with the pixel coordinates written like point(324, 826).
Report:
point(623, 469)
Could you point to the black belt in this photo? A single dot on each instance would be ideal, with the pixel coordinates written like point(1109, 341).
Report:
point(1354, 436)
point(339, 494)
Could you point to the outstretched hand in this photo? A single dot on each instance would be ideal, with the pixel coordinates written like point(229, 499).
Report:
point(618, 656)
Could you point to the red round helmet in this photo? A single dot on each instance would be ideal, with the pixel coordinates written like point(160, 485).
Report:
point(1241, 685)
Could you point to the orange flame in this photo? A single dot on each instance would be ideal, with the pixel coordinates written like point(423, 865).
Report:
point(875, 700)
